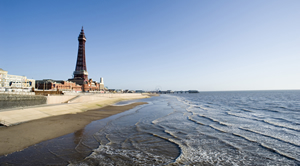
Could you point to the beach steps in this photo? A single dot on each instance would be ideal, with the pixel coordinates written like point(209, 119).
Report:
point(69, 101)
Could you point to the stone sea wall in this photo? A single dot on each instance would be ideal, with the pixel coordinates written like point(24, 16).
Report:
point(13, 100)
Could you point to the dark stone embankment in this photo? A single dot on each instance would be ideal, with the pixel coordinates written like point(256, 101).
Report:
point(14, 100)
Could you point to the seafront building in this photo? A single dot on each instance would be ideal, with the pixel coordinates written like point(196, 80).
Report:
point(80, 80)
point(49, 84)
point(8, 81)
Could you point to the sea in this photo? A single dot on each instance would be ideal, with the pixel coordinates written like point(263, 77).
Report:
point(206, 128)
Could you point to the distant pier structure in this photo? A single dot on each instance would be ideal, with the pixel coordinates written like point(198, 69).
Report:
point(189, 91)
point(170, 91)
point(193, 91)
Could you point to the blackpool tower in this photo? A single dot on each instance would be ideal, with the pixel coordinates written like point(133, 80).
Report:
point(80, 69)
point(80, 75)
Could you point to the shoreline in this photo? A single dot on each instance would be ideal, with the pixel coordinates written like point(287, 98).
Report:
point(18, 137)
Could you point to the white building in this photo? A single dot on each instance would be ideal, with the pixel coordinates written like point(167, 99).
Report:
point(15, 81)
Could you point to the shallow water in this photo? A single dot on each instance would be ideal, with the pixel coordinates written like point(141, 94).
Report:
point(209, 128)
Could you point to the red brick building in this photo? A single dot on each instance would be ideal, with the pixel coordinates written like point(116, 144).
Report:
point(48, 84)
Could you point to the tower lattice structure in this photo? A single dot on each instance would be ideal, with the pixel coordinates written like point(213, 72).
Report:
point(80, 69)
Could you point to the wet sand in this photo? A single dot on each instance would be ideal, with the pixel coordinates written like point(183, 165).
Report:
point(19, 137)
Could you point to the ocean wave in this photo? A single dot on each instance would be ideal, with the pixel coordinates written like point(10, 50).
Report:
point(218, 129)
point(233, 114)
point(215, 120)
point(274, 150)
point(293, 142)
point(270, 110)
point(171, 134)
point(191, 119)
point(289, 156)
point(289, 109)
point(192, 104)
point(288, 125)
point(178, 144)
point(108, 155)
point(163, 118)
point(246, 110)
point(206, 151)
point(288, 121)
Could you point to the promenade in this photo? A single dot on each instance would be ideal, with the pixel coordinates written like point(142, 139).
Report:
point(71, 105)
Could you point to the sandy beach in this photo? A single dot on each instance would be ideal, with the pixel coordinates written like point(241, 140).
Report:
point(19, 137)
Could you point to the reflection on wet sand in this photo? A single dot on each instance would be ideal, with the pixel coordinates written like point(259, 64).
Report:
point(78, 136)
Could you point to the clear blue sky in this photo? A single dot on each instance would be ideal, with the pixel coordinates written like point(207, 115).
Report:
point(144, 44)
